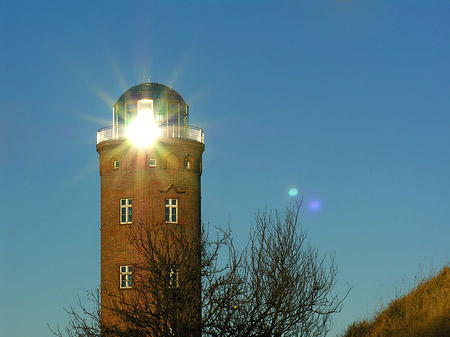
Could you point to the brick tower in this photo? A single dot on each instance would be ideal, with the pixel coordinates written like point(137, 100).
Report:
point(150, 168)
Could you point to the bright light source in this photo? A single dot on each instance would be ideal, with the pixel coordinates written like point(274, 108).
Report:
point(143, 130)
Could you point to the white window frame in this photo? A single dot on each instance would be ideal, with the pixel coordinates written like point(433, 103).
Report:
point(126, 277)
point(173, 276)
point(150, 160)
point(171, 209)
point(126, 211)
point(145, 105)
point(116, 164)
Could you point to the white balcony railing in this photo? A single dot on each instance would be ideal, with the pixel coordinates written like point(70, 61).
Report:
point(173, 131)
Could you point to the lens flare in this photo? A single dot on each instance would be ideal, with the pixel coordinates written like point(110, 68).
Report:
point(293, 192)
point(315, 205)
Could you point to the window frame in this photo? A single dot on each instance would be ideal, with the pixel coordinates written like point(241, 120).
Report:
point(173, 276)
point(152, 165)
point(128, 207)
point(128, 274)
point(169, 208)
point(145, 104)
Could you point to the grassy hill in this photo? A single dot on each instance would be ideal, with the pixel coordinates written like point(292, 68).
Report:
point(424, 312)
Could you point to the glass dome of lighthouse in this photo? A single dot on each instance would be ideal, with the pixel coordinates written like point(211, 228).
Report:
point(149, 111)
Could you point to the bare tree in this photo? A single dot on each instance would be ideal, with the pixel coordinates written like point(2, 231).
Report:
point(285, 286)
point(165, 299)
point(83, 320)
point(277, 286)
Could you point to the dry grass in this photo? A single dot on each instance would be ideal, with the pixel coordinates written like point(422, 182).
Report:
point(424, 312)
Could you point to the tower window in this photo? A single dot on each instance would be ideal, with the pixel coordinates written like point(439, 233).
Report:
point(188, 164)
point(126, 211)
point(116, 165)
point(171, 211)
point(172, 276)
point(145, 105)
point(152, 162)
point(126, 277)
point(131, 106)
point(159, 116)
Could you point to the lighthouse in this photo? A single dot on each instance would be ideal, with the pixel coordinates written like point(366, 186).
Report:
point(150, 168)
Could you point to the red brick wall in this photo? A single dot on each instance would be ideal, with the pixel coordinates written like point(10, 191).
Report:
point(148, 187)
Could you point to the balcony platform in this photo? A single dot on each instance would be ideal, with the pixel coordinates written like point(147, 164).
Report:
point(188, 132)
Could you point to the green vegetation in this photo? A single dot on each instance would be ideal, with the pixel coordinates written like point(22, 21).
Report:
point(424, 312)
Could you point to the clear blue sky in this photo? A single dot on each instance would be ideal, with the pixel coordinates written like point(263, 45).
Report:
point(347, 101)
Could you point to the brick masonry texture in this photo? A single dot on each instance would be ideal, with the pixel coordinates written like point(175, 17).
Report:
point(148, 187)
